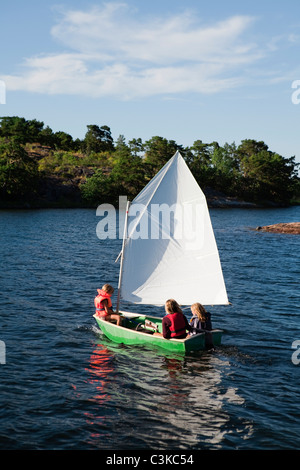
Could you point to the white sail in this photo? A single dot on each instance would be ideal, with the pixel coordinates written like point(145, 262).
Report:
point(171, 250)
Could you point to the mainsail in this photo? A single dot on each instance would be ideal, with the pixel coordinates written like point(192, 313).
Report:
point(170, 250)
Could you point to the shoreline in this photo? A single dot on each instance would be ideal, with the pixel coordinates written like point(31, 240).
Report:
point(56, 196)
point(223, 202)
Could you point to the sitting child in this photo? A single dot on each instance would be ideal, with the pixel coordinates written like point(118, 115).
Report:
point(104, 306)
point(201, 319)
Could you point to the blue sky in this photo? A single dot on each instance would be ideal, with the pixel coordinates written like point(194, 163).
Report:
point(185, 70)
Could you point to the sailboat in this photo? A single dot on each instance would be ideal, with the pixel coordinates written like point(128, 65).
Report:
point(169, 251)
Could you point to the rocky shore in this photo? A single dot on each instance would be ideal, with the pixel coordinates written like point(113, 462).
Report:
point(291, 227)
point(217, 199)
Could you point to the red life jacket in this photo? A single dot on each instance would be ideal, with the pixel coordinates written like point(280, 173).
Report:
point(98, 301)
point(178, 326)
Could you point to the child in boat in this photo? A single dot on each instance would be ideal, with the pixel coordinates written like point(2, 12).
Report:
point(175, 323)
point(104, 306)
point(201, 319)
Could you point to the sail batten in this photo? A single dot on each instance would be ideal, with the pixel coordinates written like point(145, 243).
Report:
point(171, 250)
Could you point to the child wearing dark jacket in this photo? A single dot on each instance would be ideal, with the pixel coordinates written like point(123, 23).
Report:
point(201, 319)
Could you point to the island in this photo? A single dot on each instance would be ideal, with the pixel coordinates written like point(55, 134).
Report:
point(41, 168)
point(290, 227)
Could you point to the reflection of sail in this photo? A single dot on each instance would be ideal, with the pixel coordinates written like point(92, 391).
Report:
point(202, 405)
point(100, 369)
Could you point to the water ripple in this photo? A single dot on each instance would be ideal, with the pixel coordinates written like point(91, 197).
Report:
point(65, 386)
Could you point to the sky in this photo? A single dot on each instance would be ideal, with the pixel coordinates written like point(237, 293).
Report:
point(185, 70)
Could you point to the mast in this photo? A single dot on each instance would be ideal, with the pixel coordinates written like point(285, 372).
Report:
point(122, 257)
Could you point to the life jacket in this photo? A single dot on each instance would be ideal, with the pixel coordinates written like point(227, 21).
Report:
point(102, 295)
point(178, 326)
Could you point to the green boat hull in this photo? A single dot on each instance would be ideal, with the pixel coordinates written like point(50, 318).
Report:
point(128, 334)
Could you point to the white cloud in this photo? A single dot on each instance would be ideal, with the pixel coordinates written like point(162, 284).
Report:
point(114, 53)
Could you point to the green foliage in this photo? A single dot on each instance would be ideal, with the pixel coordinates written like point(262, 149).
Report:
point(103, 170)
point(268, 176)
point(128, 172)
point(97, 189)
point(98, 139)
point(158, 151)
point(18, 172)
point(25, 131)
point(199, 161)
point(126, 177)
point(136, 146)
point(58, 162)
point(29, 131)
point(96, 160)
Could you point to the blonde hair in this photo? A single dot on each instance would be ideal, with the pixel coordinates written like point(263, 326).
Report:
point(108, 288)
point(199, 310)
point(172, 306)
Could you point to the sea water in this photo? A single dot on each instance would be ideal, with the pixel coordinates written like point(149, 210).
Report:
point(64, 386)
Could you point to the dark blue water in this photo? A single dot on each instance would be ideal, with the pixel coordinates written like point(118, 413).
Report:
point(64, 386)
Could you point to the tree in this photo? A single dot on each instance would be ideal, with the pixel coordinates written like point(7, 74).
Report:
point(26, 131)
point(121, 143)
point(98, 139)
point(34, 128)
point(225, 159)
point(158, 151)
point(199, 161)
point(125, 178)
point(97, 189)
point(273, 176)
point(46, 137)
point(225, 164)
point(18, 172)
point(128, 173)
point(246, 149)
point(202, 152)
point(63, 141)
point(136, 146)
point(266, 174)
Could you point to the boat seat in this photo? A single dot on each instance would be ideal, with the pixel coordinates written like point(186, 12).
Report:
point(151, 324)
point(141, 327)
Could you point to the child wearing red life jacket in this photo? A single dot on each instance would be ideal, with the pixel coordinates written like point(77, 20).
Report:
point(103, 304)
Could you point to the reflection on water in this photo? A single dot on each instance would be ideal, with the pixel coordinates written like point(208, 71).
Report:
point(64, 386)
point(163, 392)
point(198, 399)
point(100, 368)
